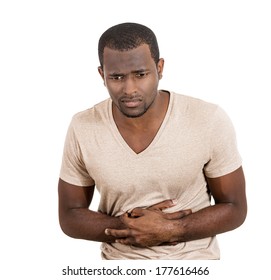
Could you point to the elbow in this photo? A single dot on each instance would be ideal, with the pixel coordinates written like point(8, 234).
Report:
point(64, 229)
point(67, 227)
point(240, 215)
point(243, 215)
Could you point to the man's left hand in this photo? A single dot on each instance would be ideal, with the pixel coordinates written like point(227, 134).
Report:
point(148, 227)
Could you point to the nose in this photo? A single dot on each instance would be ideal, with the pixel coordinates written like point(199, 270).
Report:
point(129, 86)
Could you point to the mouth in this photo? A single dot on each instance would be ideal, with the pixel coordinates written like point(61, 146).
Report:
point(131, 102)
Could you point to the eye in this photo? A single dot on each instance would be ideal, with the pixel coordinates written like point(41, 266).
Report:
point(116, 77)
point(141, 74)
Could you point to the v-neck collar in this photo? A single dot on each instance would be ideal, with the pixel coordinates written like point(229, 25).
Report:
point(121, 140)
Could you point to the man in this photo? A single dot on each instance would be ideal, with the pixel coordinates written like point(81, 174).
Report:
point(156, 158)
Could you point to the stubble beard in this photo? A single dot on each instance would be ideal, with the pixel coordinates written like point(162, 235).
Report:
point(136, 115)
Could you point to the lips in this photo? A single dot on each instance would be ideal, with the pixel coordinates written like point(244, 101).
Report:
point(131, 102)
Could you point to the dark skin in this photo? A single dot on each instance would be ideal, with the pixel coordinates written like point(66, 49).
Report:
point(77, 221)
point(229, 212)
point(132, 79)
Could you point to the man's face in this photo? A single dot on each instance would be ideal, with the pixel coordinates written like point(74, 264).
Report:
point(131, 78)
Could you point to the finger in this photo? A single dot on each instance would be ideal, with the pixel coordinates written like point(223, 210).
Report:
point(126, 218)
point(136, 212)
point(163, 205)
point(119, 233)
point(178, 215)
point(125, 241)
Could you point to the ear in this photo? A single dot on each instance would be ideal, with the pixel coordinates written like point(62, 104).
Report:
point(101, 72)
point(160, 68)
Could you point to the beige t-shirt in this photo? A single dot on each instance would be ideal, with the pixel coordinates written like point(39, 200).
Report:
point(195, 138)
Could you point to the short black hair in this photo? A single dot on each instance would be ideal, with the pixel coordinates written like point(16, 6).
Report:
point(127, 36)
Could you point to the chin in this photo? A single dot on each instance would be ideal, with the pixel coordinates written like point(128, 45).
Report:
point(133, 116)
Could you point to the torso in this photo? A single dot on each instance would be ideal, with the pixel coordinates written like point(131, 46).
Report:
point(141, 168)
point(139, 137)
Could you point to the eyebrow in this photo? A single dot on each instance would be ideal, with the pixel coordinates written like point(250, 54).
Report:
point(141, 70)
point(114, 74)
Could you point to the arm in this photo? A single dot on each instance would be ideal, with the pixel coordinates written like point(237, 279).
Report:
point(78, 221)
point(229, 212)
point(75, 218)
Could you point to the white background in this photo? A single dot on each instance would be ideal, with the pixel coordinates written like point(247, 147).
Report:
point(214, 50)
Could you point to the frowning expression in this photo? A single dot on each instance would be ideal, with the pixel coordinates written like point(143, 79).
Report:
point(132, 79)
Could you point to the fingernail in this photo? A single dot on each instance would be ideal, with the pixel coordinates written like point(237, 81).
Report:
point(106, 231)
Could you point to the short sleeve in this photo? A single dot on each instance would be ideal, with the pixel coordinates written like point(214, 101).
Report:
point(224, 155)
point(73, 169)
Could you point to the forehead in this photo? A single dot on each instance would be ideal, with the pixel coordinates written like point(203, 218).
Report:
point(126, 61)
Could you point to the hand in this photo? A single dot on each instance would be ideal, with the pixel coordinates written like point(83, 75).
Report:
point(148, 227)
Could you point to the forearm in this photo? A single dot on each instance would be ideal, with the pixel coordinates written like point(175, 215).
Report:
point(152, 228)
point(207, 222)
point(83, 223)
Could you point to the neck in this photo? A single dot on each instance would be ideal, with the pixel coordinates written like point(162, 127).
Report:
point(154, 114)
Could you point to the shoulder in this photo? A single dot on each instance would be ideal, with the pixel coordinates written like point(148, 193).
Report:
point(192, 104)
point(195, 108)
point(198, 113)
point(91, 115)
